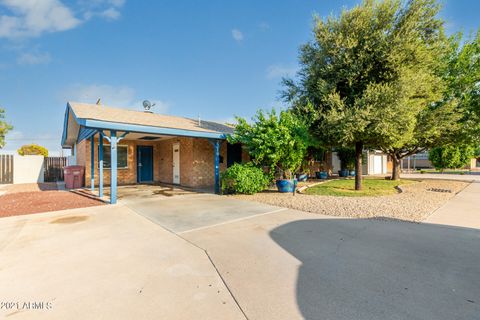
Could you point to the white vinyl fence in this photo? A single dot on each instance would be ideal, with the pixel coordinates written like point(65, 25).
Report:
point(28, 169)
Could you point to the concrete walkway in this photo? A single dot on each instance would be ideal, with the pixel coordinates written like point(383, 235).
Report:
point(463, 210)
point(105, 263)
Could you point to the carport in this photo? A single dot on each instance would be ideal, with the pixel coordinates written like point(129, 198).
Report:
point(150, 145)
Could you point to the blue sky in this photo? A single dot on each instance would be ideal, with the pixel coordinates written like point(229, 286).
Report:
point(210, 58)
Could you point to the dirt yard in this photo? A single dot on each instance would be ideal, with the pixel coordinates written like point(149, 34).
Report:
point(415, 203)
point(36, 198)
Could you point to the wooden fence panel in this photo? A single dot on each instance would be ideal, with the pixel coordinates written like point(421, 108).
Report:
point(54, 168)
point(6, 168)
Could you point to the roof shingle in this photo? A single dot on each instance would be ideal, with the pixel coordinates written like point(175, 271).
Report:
point(119, 115)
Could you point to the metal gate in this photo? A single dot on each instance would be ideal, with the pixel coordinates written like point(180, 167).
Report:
point(54, 168)
point(6, 168)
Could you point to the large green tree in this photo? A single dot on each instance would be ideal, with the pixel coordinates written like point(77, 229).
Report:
point(4, 128)
point(369, 75)
point(463, 85)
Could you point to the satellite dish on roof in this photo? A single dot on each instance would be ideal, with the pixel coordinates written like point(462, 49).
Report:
point(147, 106)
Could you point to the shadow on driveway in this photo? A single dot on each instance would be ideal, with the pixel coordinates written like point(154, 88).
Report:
point(372, 269)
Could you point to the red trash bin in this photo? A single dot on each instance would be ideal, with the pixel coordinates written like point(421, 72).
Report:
point(74, 177)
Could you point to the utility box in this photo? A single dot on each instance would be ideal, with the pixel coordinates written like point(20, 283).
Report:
point(74, 177)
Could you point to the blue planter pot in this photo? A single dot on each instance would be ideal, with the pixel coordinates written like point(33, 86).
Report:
point(352, 173)
point(285, 185)
point(322, 175)
point(302, 177)
point(343, 173)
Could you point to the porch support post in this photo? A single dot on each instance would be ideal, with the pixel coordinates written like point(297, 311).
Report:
point(100, 166)
point(92, 163)
point(113, 167)
point(216, 148)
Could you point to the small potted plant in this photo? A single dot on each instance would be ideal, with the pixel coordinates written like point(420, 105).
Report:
point(322, 174)
point(304, 171)
point(285, 183)
point(347, 161)
point(351, 170)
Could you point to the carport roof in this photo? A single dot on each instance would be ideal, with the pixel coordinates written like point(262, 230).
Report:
point(82, 118)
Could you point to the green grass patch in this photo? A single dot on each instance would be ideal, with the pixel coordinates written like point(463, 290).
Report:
point(346, 188)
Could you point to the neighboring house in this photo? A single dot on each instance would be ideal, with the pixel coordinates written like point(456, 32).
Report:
point(142, 147)
point(420, 161)
point(373, 162)
point(417, 161)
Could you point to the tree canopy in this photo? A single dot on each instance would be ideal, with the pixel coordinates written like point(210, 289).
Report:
point(371, 77)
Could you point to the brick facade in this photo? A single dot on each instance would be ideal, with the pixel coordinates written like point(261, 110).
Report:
point(196, 161)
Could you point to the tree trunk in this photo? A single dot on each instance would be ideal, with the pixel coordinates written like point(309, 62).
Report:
point(358, 165)
point(396, 167)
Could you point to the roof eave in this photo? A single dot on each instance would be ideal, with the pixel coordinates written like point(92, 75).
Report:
point(126, 127)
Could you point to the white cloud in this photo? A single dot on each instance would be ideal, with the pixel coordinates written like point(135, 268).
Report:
point(34, 58)
point(264, 26)
point(119, 96)
point(237, 35)
point(34, 17)
point(115, 96)
point(278, 71)
point(111, 13)
point(109, 9)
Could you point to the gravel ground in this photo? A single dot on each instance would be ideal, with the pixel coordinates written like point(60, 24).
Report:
point(415, 203)
point(30, 187)
point(12, 204)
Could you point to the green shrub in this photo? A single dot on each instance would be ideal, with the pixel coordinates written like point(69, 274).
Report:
point(243, 178)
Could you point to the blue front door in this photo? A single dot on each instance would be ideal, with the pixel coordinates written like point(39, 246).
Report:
point(144, 163)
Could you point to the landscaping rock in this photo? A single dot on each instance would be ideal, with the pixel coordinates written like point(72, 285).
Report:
point(415, 203)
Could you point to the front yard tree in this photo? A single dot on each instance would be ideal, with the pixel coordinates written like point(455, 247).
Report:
point(463, 79)
point(276, 141)
point(369, 74)
point(4, 128)
point(455, 118)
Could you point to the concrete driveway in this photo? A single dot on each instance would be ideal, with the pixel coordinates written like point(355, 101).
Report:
point(105, 263)
point(191, 212)
point(211, 257)
point(295, 265)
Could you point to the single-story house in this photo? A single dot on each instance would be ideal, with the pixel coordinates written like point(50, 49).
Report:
point(120, 146)
point(374, 162)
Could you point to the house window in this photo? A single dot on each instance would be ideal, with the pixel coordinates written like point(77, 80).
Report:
point(122, 157)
